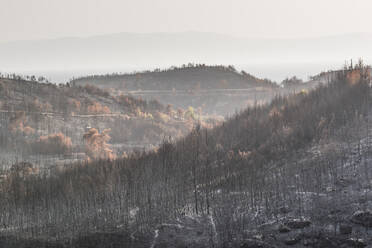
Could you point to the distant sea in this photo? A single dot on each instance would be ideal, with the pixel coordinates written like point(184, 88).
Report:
point(276, 72)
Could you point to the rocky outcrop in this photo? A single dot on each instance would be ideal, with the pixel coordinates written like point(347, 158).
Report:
point(363, 218)
point(355, 243)
point(284, 229)
point(187, 232)
point(297, 223)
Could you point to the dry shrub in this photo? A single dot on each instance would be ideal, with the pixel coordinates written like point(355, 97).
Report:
point(161, 117)
point(190, 114)
point(131, 103)
point(125, 100)
point(14, 180)
point(23, 169)
point(93, 90)
point(17, 121)
point(180, 113)
point(17, 124)
point(96, 146)
point(56, 143)
point(354, 76)
point(74, 105)
point(138, 113)
point(97, 108)
point(35, 106)
point(28, 130)
point(124, 155)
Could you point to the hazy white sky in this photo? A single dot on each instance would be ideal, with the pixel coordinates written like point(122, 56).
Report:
point(39, 19)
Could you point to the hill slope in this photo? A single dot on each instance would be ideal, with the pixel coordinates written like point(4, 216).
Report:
point(199, 77)
point(213, 89)
point(293, 172)
point(35, 117)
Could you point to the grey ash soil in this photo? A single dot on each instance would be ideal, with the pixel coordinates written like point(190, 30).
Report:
point(338, 217)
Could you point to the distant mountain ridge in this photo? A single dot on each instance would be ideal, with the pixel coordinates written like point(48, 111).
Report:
point(132, 50)
point(188, 77)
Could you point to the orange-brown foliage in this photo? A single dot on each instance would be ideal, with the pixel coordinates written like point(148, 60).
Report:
point(23, 169)
point(28, 130)
point(74, 105)
point(56, 143)
point(97, 108)
point(96, 146)
point(18, 124)
point(354, 76)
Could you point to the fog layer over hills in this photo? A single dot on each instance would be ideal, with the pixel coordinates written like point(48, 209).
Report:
point(62, 59)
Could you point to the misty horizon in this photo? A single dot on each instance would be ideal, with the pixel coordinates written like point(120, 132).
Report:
point(253, 37)
point(62, 59)
point(38, 19)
